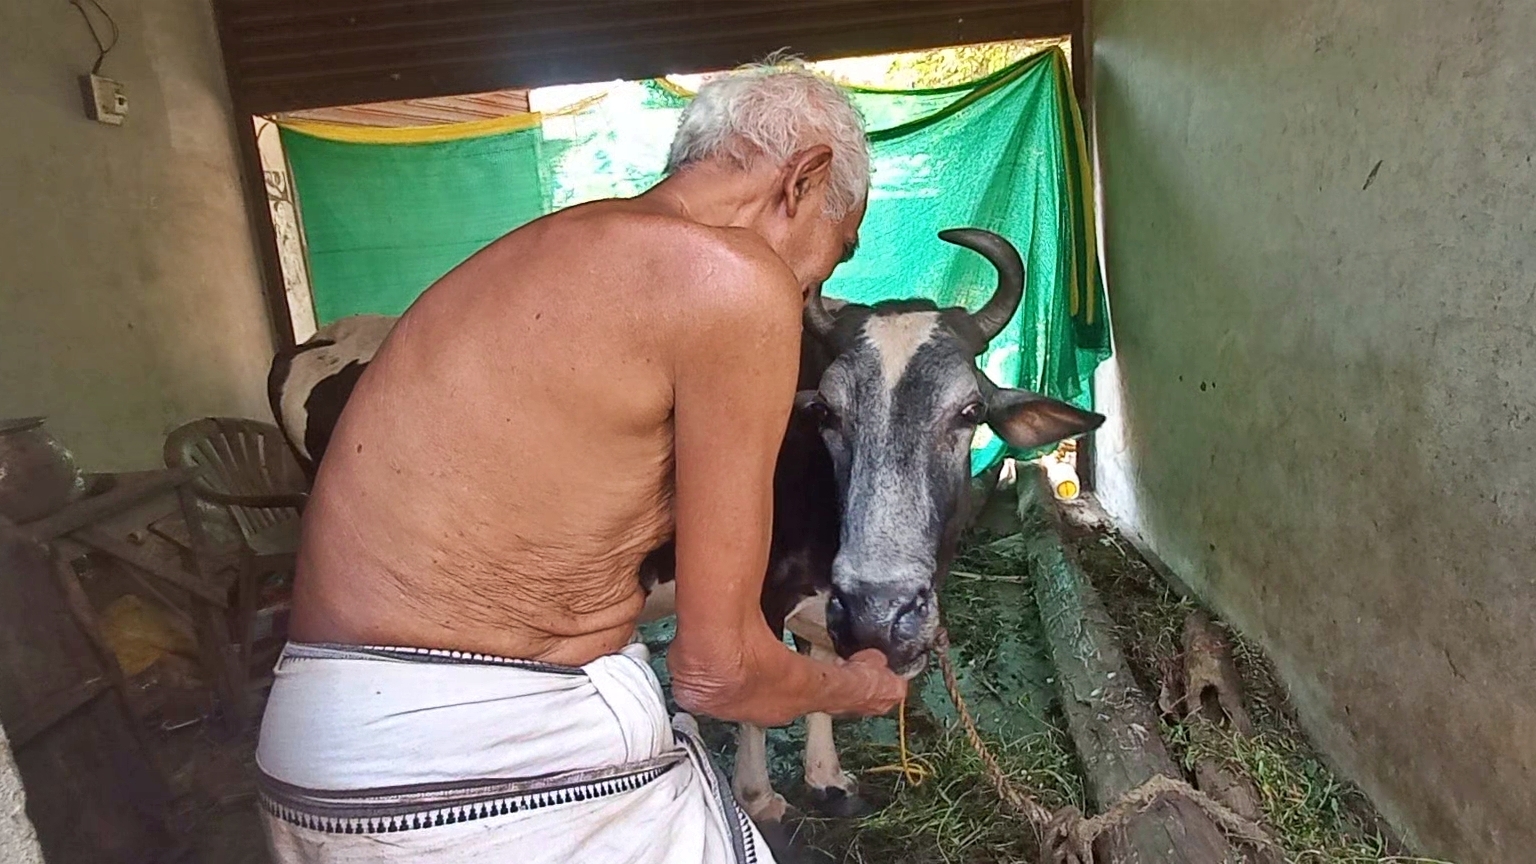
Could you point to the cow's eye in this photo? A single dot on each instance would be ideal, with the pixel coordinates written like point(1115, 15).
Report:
point(974, 413)
point(822, 414)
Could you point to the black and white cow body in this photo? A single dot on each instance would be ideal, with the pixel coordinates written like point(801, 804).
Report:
point(870, 488)
point(309, 384)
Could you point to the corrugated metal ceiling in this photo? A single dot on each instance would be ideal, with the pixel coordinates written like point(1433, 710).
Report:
point(286, 55)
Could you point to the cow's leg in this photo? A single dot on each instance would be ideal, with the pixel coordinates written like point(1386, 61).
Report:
point(750, 781)
point(834, 792)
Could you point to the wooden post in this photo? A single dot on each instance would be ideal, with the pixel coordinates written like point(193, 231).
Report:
point(1112, 723)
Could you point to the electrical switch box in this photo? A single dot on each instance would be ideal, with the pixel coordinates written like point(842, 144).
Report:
point(105, 101)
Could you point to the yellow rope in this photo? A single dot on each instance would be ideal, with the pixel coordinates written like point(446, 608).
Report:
point(910, 768)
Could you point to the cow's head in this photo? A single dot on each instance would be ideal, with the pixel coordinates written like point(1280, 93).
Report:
point(897, 410)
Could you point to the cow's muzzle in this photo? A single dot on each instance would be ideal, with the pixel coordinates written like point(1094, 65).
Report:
point(900, 622)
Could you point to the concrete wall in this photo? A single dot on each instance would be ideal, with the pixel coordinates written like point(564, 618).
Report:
point(18, 841)
point(129, 300)
point(1319, 230)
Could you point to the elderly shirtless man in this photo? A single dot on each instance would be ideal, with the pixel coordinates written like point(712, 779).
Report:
point(461, 684)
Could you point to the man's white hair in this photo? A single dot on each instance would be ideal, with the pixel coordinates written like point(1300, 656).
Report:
point(773, 110)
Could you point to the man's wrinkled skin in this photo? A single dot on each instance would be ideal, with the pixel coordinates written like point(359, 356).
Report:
point(560, 404)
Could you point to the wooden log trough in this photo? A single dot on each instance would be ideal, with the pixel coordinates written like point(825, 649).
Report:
point(1112, 723)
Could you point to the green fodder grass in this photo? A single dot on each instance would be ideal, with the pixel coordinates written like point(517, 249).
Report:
point(1314, 816)
point(952, 815)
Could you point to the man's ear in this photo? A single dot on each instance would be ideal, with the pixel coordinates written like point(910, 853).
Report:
point(808, 169)
point(1027, 420)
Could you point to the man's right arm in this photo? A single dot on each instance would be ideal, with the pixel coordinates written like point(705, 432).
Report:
point(735, 371)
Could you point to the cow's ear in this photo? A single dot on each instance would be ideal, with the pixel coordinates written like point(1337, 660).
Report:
point(804, 399)
point(1027, 420)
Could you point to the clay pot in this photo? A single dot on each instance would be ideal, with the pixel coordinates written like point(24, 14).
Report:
point(38, 476)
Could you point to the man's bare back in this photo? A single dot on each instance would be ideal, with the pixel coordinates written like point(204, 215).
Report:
point(506, 462)
point(558, 406)
point(591, 385)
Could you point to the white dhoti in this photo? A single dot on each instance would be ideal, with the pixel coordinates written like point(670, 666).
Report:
point(389, 754)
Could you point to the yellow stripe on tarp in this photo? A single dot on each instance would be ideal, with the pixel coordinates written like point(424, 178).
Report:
point(674, 88)
point(1086, 193)
point(1081, 298)
point(352, 133)
point(1064, 98)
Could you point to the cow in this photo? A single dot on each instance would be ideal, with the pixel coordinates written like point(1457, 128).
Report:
point(871, 487)
point(308, 384)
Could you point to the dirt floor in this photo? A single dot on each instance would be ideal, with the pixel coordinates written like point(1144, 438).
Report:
point(943, 811)
point(211, 774)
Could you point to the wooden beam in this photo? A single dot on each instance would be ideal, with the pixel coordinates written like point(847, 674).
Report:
point(98, 538)
point(1111, 721)
point(293, 56)
point(1082, 87)
point(80, 609)
point(87, 510)
point(259, 211)
point(42, 716)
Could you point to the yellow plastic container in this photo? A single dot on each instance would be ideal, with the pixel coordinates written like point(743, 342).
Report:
point(1063, 479)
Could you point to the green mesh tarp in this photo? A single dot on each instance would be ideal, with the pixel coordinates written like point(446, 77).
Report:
point(382, 220)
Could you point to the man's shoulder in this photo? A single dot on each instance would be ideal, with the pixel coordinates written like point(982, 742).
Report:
point(734, 267)
point(739, 290)
point(727, 270)
point(709, 247)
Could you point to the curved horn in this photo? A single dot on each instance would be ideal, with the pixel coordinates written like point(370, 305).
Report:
point(817, 319)
point(993, 317)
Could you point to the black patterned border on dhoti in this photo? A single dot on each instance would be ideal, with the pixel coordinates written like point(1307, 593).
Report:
point(299, 651)
point(428, 805)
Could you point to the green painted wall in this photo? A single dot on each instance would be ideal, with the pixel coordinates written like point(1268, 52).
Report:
point(1319, 237)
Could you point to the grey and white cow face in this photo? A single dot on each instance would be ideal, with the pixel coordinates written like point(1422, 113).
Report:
point(898, 409)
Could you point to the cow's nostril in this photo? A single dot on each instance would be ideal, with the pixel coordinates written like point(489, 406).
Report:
point(837, 610)
point(908, 624)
